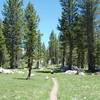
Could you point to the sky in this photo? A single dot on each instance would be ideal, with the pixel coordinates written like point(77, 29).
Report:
point(49, 11)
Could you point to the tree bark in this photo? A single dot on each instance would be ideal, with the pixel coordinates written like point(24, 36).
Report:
point(12, 58)
point(82, 60)
point(38, 64)
point(63, 58)
point(90, 37)
point(70, 56)
point(0, 59)
point(30, 68)
point(78, 57)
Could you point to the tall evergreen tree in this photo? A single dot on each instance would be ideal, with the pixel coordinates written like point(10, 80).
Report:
point(44, 55)
point(3, 49)
point(97, 49)
point(53, 48)
point(31, 35)
point(39, 49)
point(1, 45)
point(90, 9)
point(12, 11)
point(66, 24)
point(63, 42)
point(80, 40)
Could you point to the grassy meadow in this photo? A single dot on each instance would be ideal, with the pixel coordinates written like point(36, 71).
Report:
point(75, 87)
point(16, 87)
point(71, 87)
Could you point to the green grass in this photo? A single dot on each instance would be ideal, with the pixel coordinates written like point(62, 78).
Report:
point(15, 87)
point(74, 87)
point(71, 87)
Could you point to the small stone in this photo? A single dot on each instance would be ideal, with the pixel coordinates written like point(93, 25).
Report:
point(46, 77)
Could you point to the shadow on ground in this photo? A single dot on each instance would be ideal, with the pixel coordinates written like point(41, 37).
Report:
point(21, 78)
point(42, 71)
point(56, 70)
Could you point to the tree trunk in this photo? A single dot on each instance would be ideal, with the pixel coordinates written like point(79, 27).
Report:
point(78, 57)
point(82, 60)
point(90, 38)
point(70, 56)
point(1, 56)
point(63, 58)
point(16, 61)
point(38, 64)
point(30, 68)
point(91, 64)
point(12, 58)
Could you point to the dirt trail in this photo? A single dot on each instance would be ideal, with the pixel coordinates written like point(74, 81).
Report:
point(54, 91)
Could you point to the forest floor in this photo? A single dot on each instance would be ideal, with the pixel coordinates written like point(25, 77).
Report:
point(71, 87)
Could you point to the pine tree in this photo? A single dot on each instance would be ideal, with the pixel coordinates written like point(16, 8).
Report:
point(97, 58)
point(3, 49)
point(12, 11)
point(2, 43)
point(97, 47)
point(66, 24)
point(39, 50)
point(62, 37)
point(90, 9)
point(44, 55)
point(53, 48)
point(31, 20)
point(80, 40)
point(97, 34)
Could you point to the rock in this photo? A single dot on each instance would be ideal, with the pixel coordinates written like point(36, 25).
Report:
point(41, 69)
point(97, 69)
point(20, 72)
point(32, 74)
point(6, 71)
point(52, 71)
point(1, 69)
point(10, 71)
point(97, 73)
point(71, 72)
point(25, 68)
point(75, 68)
point(46, 78)
point(92, 74)
point(64, 68)
point(81, 73)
